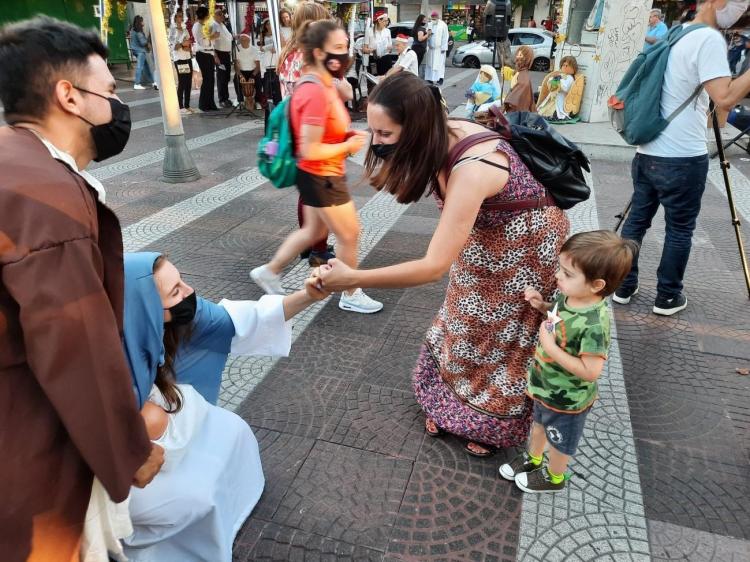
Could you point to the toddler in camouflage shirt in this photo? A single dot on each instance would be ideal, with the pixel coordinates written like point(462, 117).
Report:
point(573, 346)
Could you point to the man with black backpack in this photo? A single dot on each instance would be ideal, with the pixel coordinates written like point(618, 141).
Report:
point(671, 169)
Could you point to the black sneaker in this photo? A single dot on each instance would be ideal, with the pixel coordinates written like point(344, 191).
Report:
point(668, 307)
point(623, 295)
point(316, 259)
point(520, 464)
point(537, 482)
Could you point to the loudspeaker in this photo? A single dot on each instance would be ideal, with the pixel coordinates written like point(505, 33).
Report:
point(497, 20)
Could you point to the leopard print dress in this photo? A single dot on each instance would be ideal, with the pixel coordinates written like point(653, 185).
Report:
point(470, 378)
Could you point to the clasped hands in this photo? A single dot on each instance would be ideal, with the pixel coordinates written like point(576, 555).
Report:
point(335, 276)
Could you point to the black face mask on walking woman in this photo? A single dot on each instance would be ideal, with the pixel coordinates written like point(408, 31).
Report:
point(110, 138)
point(337, 65)
point(383, 151)
point(184, 311)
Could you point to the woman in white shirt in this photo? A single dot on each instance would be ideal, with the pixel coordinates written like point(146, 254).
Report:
point(286, 26)
point(378, 44)
point(179, 39)
point(269, 60)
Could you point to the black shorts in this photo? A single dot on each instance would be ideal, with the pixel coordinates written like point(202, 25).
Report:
point(322, 191)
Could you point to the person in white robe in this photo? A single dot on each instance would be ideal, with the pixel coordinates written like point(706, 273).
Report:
point(212, 475)
point(437, 48)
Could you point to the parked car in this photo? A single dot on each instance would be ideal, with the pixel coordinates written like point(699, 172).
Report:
point(478, 53)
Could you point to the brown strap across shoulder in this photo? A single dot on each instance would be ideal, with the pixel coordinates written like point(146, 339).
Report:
point(522, 204)
point(463, 145)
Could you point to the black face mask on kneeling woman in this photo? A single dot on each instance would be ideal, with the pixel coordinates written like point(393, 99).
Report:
point(184, 311)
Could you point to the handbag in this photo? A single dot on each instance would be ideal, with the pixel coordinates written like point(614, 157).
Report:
point(554, 161)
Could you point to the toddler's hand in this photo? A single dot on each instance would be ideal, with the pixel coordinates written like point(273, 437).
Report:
point(547, 338)
point(534, 298)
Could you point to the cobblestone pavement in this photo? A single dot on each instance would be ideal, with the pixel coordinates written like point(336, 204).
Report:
point(350, 474)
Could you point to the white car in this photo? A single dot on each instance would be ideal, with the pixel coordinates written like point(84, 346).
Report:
point(478, 53)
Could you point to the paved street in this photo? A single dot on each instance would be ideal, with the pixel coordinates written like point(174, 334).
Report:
point(350, 473)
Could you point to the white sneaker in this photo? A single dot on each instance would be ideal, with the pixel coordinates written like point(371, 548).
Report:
point(185, 111)
point(269, 282)
point(138, 87)
point(358, 301)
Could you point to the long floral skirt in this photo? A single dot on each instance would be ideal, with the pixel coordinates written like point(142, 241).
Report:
point(441, 405)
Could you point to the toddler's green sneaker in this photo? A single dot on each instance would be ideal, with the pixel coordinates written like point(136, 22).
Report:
point(538, 481)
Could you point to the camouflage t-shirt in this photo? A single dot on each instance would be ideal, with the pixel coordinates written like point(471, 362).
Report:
point(581, 332)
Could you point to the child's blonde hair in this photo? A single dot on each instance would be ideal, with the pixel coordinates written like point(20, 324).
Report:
point(601, 254)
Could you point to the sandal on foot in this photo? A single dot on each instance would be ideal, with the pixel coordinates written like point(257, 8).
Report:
point(474, 450)
point(432, 429)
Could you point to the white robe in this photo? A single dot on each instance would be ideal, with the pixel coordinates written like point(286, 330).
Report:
point(212, 475)
point(211, 480)
point(437, 48)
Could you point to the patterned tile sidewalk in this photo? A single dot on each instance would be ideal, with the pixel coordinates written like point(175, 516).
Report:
point(351, 475)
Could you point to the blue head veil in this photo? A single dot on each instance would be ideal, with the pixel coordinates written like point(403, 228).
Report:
point(143, 323)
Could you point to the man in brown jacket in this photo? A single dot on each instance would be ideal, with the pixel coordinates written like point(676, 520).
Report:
point(67, 408)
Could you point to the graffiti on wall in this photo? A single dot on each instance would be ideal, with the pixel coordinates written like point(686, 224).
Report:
point(623, 40)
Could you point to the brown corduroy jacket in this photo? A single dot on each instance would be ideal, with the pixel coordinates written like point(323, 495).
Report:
point(67, 410)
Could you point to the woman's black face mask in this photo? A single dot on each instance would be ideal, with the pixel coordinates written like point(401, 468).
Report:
point(383, 151)
point(184, 311)
point(337, 64)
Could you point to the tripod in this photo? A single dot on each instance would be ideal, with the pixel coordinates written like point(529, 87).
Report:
point(730, 199)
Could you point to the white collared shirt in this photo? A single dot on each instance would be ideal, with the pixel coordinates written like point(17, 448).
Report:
point(224, 41)
point(203, 44)
point(66, 158)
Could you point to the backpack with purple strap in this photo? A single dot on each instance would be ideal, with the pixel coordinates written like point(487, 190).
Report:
point(553, 160)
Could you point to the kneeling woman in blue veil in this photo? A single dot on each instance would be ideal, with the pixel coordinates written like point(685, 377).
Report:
point(177, 345)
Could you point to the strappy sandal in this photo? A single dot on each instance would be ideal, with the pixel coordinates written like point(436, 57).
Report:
point(486, 451)
point(432, 429)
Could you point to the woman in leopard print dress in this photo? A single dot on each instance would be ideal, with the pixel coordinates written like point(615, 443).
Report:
point(470, 378)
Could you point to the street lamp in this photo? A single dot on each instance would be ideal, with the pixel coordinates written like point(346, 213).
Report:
point(178, 164)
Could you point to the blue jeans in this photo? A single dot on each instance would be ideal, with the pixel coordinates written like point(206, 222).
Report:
point(677, 184)
point(143, 69)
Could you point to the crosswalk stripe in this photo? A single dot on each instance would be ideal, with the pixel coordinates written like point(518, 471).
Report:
point(109, 171)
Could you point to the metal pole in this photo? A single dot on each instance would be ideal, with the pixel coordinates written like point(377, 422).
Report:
point(730, 199)
point(623, 214)
point(178, 164)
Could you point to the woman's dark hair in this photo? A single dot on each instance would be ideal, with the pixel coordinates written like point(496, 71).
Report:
point(166, 378)
point(265, 29)
point(201, 13)
point(419, 22)
point(423, 144)
point(315, 37)
point(36, 54)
